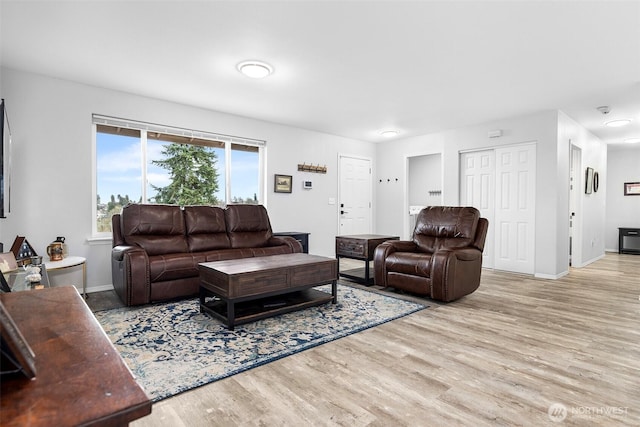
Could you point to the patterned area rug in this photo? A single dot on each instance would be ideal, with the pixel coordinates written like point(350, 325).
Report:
point(172, 347)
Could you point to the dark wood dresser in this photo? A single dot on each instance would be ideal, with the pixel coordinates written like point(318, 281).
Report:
point(80, 377)
point(360, 247)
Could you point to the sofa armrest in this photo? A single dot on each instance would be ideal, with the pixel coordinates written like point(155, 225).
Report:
point(294, 245)
point(383, 250)
point(118, 252)
point(130, 274)
point(455, 273)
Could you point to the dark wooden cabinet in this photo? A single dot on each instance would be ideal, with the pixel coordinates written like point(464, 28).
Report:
point(628, 240)
point(303, 238)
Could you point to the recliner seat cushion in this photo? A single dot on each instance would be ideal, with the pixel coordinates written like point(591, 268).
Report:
point(413, 263)
point(173, 266)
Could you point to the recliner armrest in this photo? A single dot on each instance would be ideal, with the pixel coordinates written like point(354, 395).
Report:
point(455, 272)
point(130, 274)
point(383, 250)
point(391, 246)
point(118, 252)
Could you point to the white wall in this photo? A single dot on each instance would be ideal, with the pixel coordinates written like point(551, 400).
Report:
point(52, 193)
point(623, 165)
point(591, 209)
point(552, 195)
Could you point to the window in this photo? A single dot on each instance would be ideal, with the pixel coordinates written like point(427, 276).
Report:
point(144, 163)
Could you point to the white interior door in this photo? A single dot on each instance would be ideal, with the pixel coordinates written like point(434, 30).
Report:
point(575, 241)
point(515, 208)
point(355, 196)
point(477, 189)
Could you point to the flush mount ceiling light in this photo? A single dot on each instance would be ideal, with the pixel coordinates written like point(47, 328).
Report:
point(617, 123)
point(632, 140)
point(255, 69)
point(389, 133)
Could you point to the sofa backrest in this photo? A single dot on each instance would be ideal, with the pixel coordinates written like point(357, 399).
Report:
point(445, 227)
point(248, 226)
point(206, 228)
point(158, 229)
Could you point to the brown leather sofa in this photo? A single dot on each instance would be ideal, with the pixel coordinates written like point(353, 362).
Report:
point(444, 258)
point(157, 248)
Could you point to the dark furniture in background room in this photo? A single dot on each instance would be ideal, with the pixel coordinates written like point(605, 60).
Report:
point(80, 378)
point(444, 258)
point(303, 238)
point(628, 240)
point(157, 248)
point(360, 247)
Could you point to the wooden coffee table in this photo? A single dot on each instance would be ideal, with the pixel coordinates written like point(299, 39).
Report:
point(244, 290)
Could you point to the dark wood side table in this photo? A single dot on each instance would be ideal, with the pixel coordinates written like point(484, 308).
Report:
point(303, 238)
point(628, 240)
point(360, 247)
point(80, 377)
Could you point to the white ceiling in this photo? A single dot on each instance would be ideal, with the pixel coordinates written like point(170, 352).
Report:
point(350, 68)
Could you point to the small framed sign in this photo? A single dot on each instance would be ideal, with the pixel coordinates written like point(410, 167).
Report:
point(282, 183)
point(632, 188)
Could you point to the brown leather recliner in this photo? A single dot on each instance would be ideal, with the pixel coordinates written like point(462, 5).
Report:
point(444, 258)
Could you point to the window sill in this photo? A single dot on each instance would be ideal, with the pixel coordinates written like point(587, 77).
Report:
point(98, 241)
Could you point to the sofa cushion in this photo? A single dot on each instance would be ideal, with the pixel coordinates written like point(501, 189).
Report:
point(173, 266)
point(445, 227)
point(158, 229)
point(206, 228)
point(226, 254)
point(271, 250)
point(248, 226)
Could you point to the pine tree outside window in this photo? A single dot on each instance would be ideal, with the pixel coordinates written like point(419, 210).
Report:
point(142, 163)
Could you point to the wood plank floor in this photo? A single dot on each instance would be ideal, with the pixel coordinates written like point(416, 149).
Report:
point(500, 356)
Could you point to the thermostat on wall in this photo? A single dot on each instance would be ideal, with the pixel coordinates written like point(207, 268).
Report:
point(307, 184)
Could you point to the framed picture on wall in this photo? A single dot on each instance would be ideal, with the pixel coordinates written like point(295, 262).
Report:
point(588, 181)
point(632, 188)
point(282, 183)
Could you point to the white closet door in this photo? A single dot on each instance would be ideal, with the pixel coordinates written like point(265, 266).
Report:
point(515, 208)
point(477, 189)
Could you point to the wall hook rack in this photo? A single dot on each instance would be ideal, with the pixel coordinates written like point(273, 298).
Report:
point(311, 168)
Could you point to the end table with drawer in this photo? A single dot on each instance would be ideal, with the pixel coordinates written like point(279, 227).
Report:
point(360, 247)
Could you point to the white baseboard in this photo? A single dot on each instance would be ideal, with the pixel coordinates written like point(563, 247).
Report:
point(550, 276)
point(99, 288)
point(584, 264)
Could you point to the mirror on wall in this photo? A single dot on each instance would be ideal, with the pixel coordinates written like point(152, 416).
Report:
point(5, 162)
point(424, 184)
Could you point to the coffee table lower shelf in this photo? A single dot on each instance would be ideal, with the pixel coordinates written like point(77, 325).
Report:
point(237, 312)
